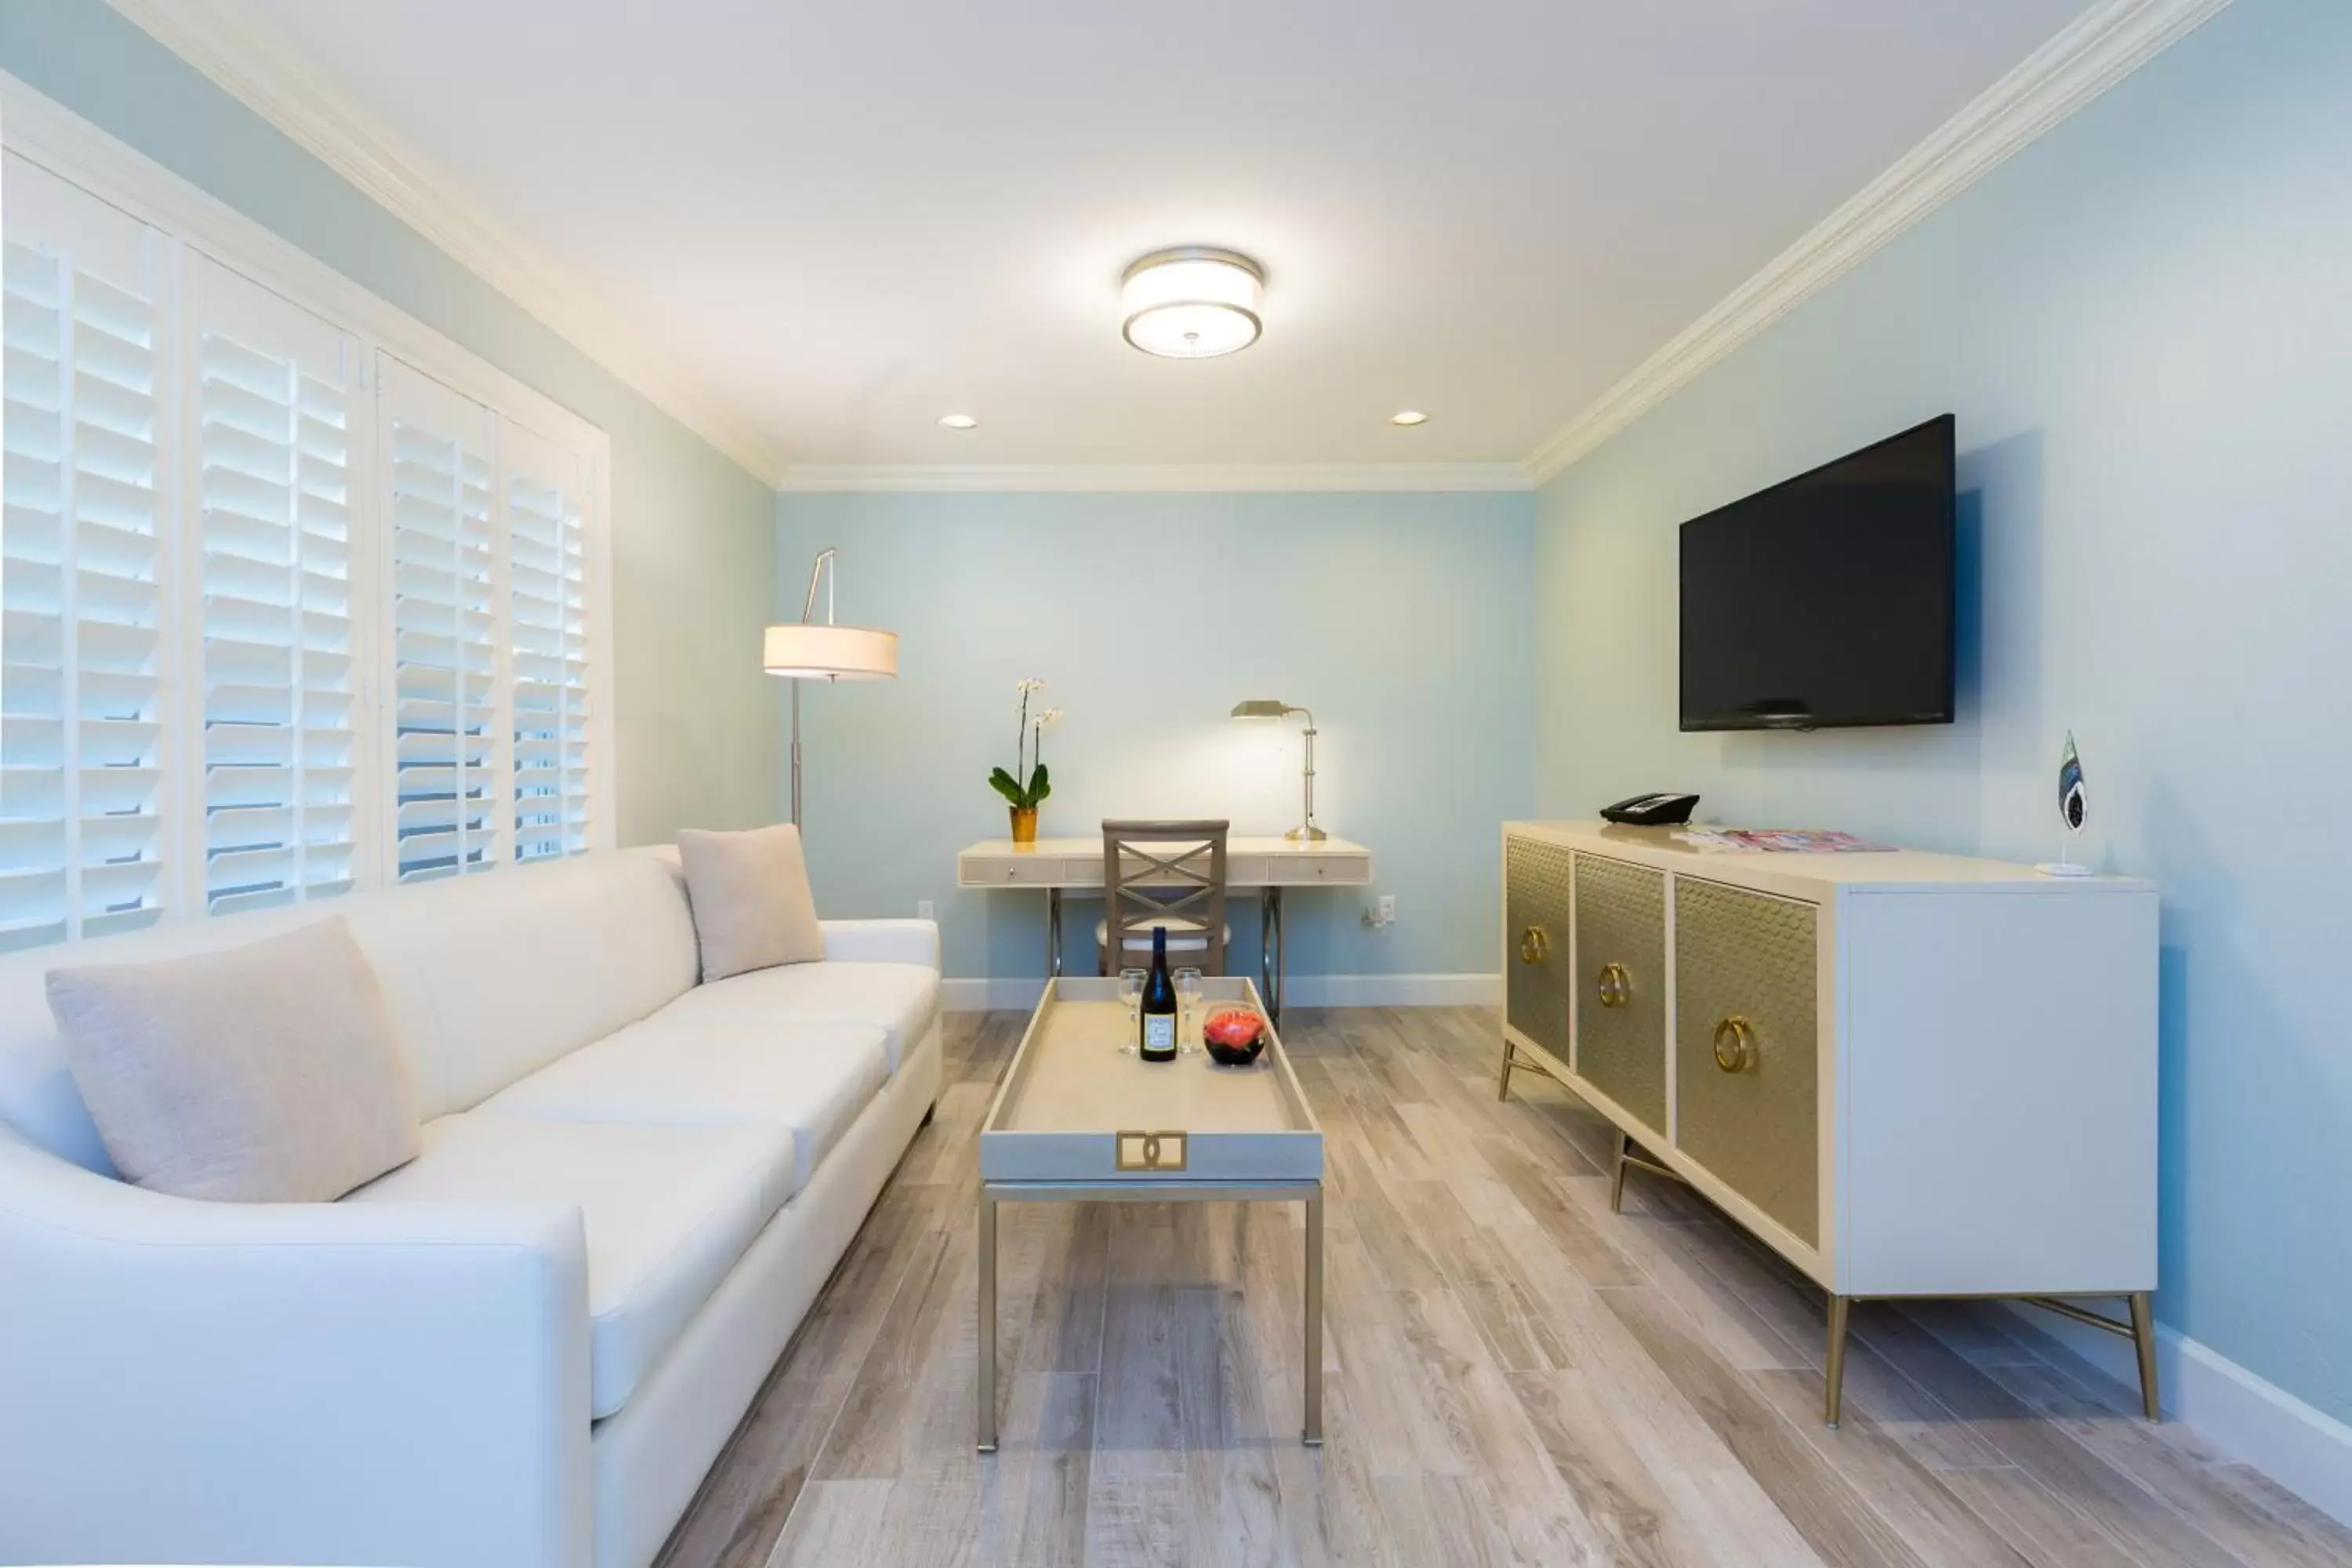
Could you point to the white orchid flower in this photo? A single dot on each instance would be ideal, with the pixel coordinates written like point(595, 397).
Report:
point(1049, 718)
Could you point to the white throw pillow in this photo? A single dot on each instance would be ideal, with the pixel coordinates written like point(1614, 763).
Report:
point(749, 893)
point(267, 1073)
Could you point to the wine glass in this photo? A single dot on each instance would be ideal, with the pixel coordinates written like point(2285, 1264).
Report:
point(1188, 1003)
point(1130, 990)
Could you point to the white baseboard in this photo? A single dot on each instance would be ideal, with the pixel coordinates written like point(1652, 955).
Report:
point(2247, 1418)
point(1301, 990)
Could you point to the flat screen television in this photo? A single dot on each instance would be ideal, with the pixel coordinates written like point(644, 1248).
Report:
point(1826, 601)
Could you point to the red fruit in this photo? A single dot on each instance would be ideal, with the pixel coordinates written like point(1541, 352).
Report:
point(1236, 1026)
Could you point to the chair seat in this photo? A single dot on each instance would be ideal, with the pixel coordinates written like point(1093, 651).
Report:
point(1184, 935)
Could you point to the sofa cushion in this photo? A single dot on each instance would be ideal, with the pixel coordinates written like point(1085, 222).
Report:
point(667, 1212)
point(809, 1081)
point(750, 894)
point(899, 999)
point(493, 975)
point(265, 1074)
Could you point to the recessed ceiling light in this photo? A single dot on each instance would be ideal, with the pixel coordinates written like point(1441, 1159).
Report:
point(1408, 417)
point(959, 421)
point(1192, 302)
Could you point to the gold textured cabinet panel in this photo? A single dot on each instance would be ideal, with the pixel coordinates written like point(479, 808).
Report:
point(1746, 1046)
point(1621, 984)
point(1537, 908)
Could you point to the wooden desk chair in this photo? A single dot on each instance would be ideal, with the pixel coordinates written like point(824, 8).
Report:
point(1169, 874)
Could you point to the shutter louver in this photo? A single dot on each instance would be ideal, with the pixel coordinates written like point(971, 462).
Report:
point(280, 692)
point(446, 728)
point(548, 572)
point(81, 736)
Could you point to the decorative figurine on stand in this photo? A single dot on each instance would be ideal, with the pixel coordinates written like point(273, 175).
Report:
point(2074, 810)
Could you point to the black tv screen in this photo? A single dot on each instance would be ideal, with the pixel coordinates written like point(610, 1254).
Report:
point(1826, 601)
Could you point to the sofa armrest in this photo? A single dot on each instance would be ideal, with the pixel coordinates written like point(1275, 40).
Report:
point(883, 941)
point(317, 1383)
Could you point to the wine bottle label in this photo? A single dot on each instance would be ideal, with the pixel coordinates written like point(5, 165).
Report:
point(1160, 1032)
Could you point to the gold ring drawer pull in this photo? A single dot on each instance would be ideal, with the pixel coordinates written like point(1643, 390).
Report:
point(1616, 985)
point(1534, 945)
point(1735, 1044)
point(1148, 1150)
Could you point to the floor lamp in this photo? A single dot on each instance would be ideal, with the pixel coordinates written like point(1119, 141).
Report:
point(811, 650)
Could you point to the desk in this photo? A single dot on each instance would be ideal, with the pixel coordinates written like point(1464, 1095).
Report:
point(1056, 866)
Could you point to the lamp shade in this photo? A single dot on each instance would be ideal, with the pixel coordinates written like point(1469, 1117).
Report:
point(1260, 708)
point(806, 652)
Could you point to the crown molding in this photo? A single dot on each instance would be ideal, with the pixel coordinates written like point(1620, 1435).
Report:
point(2090, 54)
point(1292, 478)
point(227, 46)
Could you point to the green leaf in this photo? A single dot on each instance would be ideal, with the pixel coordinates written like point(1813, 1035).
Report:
point(1003, 784)
point(1040, 786)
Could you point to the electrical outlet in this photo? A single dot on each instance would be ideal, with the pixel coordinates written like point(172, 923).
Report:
point(923, 909)
point(1388, 909)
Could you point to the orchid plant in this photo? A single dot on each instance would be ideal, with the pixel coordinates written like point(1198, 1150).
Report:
point(1027, 785)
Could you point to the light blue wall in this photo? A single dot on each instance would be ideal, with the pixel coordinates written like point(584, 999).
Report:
point(693, 539)
point(1403, 621)
point(2144, 323)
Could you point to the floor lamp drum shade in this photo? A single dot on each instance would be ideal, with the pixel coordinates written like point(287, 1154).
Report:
point(806, 652)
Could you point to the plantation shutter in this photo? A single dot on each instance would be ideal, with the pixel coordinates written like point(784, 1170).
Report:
point(83, 744)
point(545, 492)
point(281, 698)
point(449, 676)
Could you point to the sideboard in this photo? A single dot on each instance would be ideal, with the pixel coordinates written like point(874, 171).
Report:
point(1910, 1074)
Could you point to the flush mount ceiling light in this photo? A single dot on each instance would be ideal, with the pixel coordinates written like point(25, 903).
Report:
point(1192, 302)
point(1408, 417)
point(959, 421)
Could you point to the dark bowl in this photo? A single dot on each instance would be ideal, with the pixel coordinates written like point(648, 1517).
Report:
point(1236, 1056)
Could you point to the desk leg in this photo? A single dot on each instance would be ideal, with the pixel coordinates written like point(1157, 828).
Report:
point(1269, 950)
point(1054, 930)
point(1313, 1435)
point(987, 1325)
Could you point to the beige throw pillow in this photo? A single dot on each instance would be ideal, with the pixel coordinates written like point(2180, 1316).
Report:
point(267, 1073)
point(749, 893)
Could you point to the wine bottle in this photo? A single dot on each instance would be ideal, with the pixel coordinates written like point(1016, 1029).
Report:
point(1159, 1010)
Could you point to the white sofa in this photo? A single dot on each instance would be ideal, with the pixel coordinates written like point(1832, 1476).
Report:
point(526, 1346)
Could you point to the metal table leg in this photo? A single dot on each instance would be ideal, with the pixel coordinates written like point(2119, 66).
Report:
point(1269, 950)
point(1314, 1368)
point(1054, 930)
point(987, 1323)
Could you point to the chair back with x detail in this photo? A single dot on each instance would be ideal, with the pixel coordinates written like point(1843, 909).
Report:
point(1169, 874)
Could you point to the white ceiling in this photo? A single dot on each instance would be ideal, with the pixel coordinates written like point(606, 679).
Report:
point(843, 221)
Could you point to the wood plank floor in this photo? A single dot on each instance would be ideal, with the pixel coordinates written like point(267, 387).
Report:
point(1515, 1374)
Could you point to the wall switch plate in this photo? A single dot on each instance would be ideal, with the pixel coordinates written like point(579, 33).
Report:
point(923, 909)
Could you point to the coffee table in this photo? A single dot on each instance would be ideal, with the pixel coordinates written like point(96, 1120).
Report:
point(1080, 1120)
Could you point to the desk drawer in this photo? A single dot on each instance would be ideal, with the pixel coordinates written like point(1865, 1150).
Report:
point(1297, 870)
point(1020, 871)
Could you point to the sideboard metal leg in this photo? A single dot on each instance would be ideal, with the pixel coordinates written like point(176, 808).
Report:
point(1617, 1173)
point(2143, 1327)
point(1834, 1362)
point(1503, 1082)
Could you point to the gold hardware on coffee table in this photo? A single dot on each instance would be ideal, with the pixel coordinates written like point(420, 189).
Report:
point(1148, 1150)
point(1534, 943)
point(1741, 1035)
point(1616, 985)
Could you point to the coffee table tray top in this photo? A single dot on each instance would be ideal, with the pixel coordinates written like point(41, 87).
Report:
point(1076, 1108)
